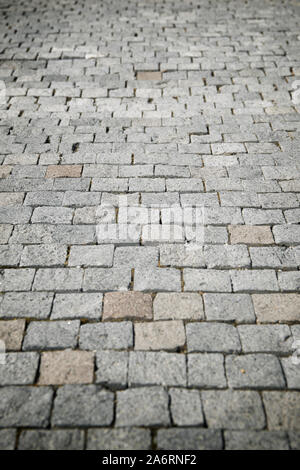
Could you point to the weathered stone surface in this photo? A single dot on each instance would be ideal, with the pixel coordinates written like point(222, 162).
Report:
point(119, 439)
point(7, 439)
point(106, 336)
point(160, 335)
point(66, 367)
point(250, 235)
point(19, 368)
point(189, 439)
point(282, 410)
point(232, 409)
point(212, 337)
point(206, 371)
point(273, 308)
point(229, 307)
point(112, 368)
point(82, 405)
point(156, 368)
point(11, 333)
point(178, 306)
point(25, 406)
point(51, 335)
point(69, 439)
point(256, 440)
point(143, 406)
point(186, 408)
point(127, 306)
point(85, 306)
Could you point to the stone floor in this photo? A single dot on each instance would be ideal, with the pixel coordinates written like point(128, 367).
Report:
point(125, 330)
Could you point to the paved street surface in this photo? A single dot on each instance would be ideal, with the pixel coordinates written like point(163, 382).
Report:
point(150, 237)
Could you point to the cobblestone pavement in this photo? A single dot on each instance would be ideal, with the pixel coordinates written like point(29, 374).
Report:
point(133, 341)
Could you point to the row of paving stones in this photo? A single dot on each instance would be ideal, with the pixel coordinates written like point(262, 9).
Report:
point(151, 279)
point(119, 369)
point(244, 415)
point(134, 438)
point(132, 305)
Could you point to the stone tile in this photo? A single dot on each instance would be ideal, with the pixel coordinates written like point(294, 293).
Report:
point(206, 371)
point(156, 368)
point(11, 332)
point(143, 406)
point(254, 371)
point(229, 308)
point(189, 439)
point(178, 306)
point(82, 406)
point(292, 372)
point(91, 256)
point(160, 335)
point(256, 440)
point(96, 336)
point(206, 280)
point(83, 306)
point(51, 335)
point(233, 409)
point(24, 406)
point(127, 306)
point(282, 410)
point(7, 439)
point(273, 308)
point(66, 367)
point(250, 235)
point(157, 280)
point(26, 305)
point(112, 368)
point(119, 439)
point(64, 171)
point(19, 368)
point(186, 407)
point(212, 337)
point(266, 338)
point(149, 76)
point(67, 439)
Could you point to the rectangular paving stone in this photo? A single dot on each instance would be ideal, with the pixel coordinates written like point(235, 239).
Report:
point(254, 371)
point(254, 280)
point(7, 439)
point(16, 279)
point(273, 257)
point(286, 234)
point(119, 439)
point(26, 305)
point(229, 308)
point(127, 306)
point(156, 368)
point(72, 306)
point(19, 368)
point(212, 337)
point(206, 280)
point(256, 440)
point(250, 235)
point(11, 333)
point(266, 338)
point(51, 335)
point(291, 371)
point(106, 279)
point(51, 255)
point(158, 280)
point(66, 367)
point(112, 368)
point(233, 409)
point(60, 279)
point(52, 215)
point(186, 407)
point(282, 410)
point(224, 257)
point(91, 256)
point(189, 439)
point(136, 256)
point(143, 406)
point(63, 171)
point(178, 306)
point(289, 281)
point(206, 371)
point(95, 336)
point(82, 406)
point(23, 406)
point(159, 335)
point(148, 75)
point(66, 439)
point(277, 308)
point(10, 255)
